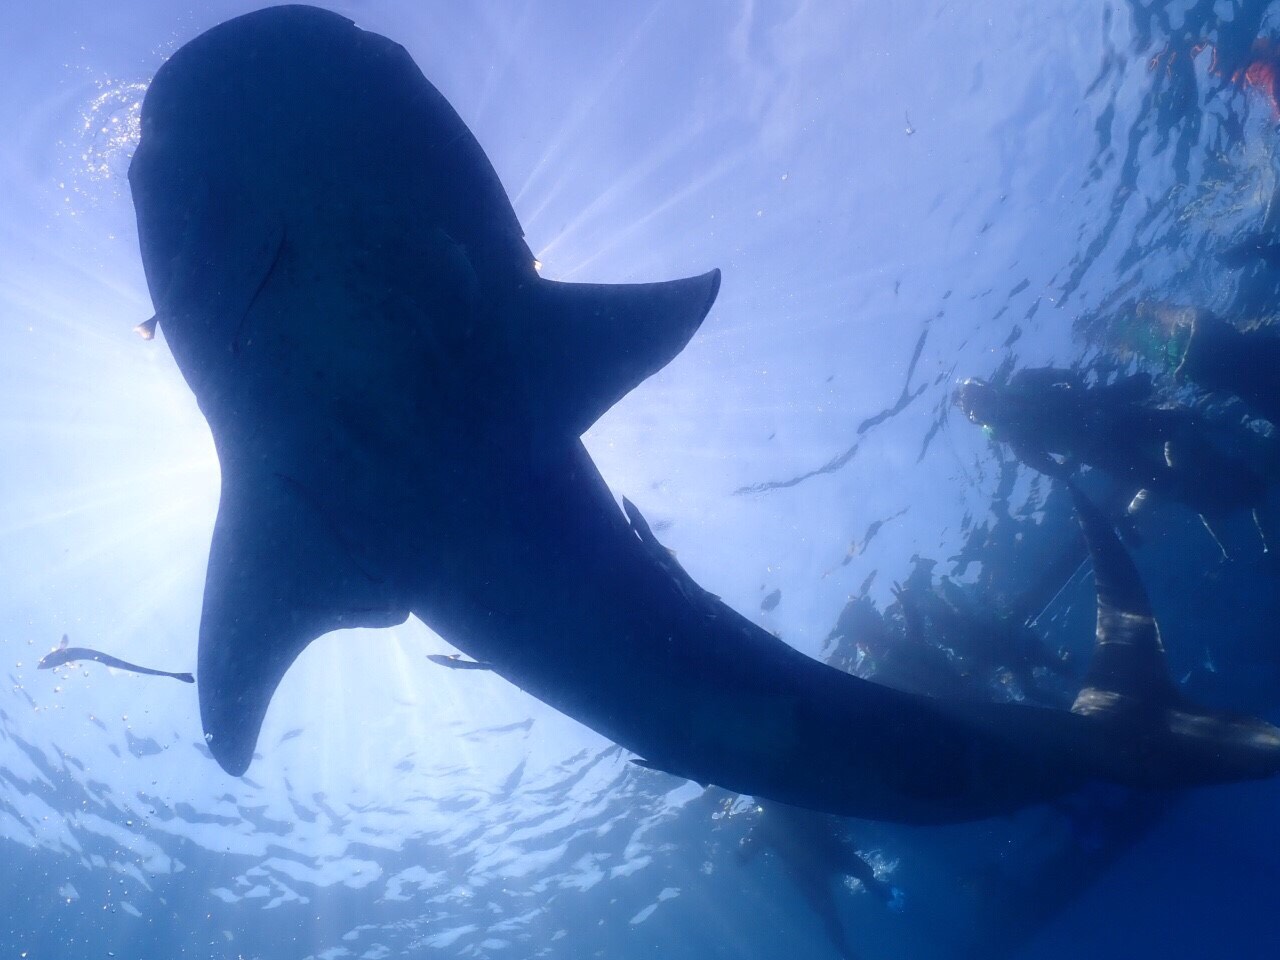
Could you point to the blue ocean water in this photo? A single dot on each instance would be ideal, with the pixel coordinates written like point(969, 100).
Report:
point(900, 196)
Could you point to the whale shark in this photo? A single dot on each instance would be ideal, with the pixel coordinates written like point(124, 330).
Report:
point(397, 397)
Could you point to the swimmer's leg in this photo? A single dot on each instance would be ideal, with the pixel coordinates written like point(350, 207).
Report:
point(858, 867)
point(1264, 518)
point(817, 891)
point(1209, 527)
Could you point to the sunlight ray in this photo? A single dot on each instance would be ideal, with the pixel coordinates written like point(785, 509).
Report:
point(587, 103)
point(76, 425)
point(694, 187)
point(78, 283)
point(48, 506)
point(511, 32)
point(147, 589)
point(618, 191)
point(147, 528)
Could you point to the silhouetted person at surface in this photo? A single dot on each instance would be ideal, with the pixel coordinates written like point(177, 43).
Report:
point(860, 626)
point(1170, 452)
point(948, 647)
point(997, 640)
point(984, 642)
point(867, 645)
point(817, 856)
point(1221, 358)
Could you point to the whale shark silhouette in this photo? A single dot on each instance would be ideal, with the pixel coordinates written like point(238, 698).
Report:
point(396, 398)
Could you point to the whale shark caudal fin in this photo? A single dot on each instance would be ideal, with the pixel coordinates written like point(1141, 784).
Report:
point(278, 578)
point(1128, 668)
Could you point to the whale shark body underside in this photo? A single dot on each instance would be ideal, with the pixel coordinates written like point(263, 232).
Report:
point(396, 398)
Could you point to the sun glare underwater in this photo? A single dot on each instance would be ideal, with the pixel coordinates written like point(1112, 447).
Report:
point(975, 261)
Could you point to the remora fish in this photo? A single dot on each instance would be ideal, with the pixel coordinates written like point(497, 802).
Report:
point(396, 398)
point(65, 654)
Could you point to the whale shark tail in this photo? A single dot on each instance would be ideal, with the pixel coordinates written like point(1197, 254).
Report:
point(1165, 740)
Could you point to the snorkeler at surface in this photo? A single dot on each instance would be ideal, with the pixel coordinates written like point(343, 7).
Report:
point(1219, 357)
point(987, 644)
point(866, 645)
point(943, 644)
point(1171, 452)
point(815, 854)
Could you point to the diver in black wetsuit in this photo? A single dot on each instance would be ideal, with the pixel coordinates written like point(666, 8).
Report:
point(1171, 452)
point(813, 850)
point(1220, 357)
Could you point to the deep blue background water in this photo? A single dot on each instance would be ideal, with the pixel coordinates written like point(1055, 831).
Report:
point(999, 178)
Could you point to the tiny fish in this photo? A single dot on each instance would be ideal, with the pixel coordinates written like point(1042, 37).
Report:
point(456, 662)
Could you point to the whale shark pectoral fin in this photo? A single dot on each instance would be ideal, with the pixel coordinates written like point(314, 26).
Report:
point(279, 576)
point(593, 343)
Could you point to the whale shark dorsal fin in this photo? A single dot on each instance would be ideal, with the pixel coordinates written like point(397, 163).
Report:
point(1128, 667)
point(588, 345)
point(279, 576)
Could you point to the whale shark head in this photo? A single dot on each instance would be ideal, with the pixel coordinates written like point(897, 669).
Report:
point(346, 288)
